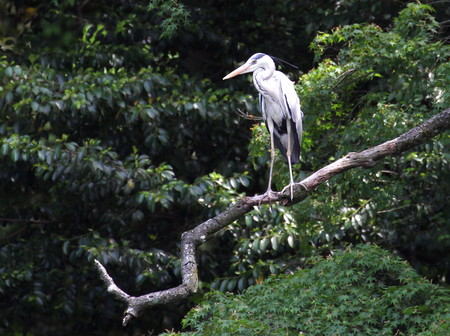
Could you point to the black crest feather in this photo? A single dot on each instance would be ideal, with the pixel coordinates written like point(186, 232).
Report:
point(279, 60)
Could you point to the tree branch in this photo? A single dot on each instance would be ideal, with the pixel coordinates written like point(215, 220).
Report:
point(190, 240)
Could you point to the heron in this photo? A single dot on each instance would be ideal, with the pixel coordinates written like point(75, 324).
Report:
point(280, 108)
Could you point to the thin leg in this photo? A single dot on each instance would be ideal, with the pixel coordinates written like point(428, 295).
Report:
point(272, 159)
point(288, 154)
point(291, 183)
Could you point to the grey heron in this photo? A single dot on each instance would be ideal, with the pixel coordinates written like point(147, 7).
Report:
point(280, 108)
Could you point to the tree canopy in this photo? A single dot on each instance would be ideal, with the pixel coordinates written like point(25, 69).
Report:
point(117, 135)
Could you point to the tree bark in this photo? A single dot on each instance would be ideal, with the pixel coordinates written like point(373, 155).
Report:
point(191, 239)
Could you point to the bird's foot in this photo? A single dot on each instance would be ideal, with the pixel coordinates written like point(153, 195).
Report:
point(304, 186)
point(291, 186)
point(269, 194)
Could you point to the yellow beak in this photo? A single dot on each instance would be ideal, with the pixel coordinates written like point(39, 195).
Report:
point(242, 69)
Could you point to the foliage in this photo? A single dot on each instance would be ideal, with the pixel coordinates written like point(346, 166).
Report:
point(175, 15)
point(384, 84)
point(106, 155)
point(360, 291)
point(379, 85)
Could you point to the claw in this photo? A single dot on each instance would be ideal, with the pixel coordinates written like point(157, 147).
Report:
point(267, 194)
point(291, 186)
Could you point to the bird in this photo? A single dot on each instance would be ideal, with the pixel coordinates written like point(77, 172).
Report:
point(280, 108)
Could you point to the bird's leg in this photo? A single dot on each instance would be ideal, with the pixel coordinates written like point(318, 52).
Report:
point(288, 154)
point(272, 159)
point(291, 183)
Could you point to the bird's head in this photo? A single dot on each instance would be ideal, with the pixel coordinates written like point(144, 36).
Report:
point(258, 60)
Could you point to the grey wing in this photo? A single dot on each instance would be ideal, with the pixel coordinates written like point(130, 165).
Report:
point(293, 113)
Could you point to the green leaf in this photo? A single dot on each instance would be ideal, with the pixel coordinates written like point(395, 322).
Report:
point(275, 241)
point(291, 241)
point(231, 284)
point(255, 245)
point(5, 149)
point(9, 71)
point(263, 245)
point(15, 154)
point(223, 285)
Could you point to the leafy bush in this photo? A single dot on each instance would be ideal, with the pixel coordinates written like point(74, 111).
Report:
point(360, 291)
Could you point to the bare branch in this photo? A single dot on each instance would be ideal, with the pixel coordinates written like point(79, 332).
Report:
point(111, 287)
point(190, 240)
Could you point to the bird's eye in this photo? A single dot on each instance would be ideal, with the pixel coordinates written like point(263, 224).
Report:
point(254, 61)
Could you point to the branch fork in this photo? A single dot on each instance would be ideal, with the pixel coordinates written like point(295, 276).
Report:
point(191, 239)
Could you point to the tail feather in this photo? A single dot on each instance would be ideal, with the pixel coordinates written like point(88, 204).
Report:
point(280, 139)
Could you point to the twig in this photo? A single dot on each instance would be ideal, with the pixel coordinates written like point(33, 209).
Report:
point(248, 116)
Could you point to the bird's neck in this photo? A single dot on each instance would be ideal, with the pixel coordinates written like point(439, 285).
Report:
point(264, 73)
point(261, 79)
